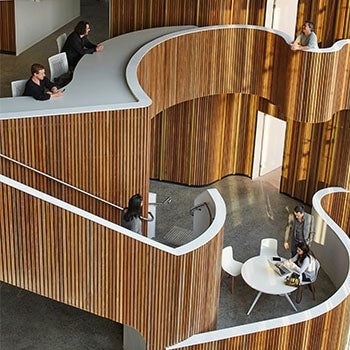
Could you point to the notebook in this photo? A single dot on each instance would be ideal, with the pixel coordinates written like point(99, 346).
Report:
point(281, 270)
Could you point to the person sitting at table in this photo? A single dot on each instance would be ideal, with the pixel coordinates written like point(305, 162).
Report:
point(78, 44)
point(131, 216)
point(39, 86)
point(303, 263)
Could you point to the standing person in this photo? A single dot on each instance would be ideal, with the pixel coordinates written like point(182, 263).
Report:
point(131, 216)
point(299, 229)
point(39, 86)
point(307, 39)
point(78, 44)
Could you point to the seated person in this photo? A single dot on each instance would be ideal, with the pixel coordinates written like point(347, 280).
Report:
point(78, 44)
point(304, 263)
point(307, 38)
point(39, 86)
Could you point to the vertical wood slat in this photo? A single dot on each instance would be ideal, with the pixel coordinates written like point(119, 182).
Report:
point(204, 140)
point(302, 170)
point(108, 156)
point(186, 76)
point(7, 27)
point(331, 19)
point(128, 16)
point(143, 286)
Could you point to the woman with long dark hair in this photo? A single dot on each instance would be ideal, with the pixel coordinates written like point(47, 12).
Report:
point(304, 263)
point(131, 216)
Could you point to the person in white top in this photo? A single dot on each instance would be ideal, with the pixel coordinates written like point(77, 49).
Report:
point(304, 263)
point(307, 39)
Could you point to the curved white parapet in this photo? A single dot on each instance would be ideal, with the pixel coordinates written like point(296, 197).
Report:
point(131, 69)
point(107, 80)
point(343, 289)
point(213, 197)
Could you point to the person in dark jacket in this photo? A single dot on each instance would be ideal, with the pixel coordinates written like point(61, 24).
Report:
point(78, 44)
point(39, 86)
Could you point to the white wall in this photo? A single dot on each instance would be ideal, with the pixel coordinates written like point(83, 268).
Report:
point(281, 15)
point(35, 20)
point(269, 144)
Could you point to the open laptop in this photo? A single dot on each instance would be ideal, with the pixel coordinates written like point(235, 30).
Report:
point(281, 270)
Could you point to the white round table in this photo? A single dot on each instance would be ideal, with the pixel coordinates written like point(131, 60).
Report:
point(259, 275)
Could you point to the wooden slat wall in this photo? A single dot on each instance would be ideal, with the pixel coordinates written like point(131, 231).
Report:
point(59, 190)
point(325, 332)
point(313, 156)
point(212, 139)
point(7, 27)
point(331, 18)
point(337, 206)
point(128, 16)
point(60, 255)
point(105, 154)
point(181, 74)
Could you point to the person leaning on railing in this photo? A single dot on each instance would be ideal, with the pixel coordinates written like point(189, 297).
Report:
point(307, 39)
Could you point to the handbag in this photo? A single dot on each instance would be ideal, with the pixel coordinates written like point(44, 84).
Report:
point(292, 280)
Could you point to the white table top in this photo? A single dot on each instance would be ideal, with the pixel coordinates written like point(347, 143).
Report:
point(259, 275)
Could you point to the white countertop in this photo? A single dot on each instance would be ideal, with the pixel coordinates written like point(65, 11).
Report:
point(99, 81)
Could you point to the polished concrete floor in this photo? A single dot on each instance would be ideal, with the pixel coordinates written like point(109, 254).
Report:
point(255, 210)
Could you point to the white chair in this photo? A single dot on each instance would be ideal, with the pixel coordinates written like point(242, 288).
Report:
point(58, 65)
point(268, 247)
point(17, 87)
point(229, 265)
point(61, 41)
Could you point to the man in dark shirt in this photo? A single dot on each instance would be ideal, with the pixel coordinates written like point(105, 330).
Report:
point(300, 229)
point(78, 44)
point(39, 86)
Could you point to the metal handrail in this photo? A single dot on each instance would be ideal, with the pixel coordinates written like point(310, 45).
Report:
point(199, 206)
point(165, 201)
point(61, 182)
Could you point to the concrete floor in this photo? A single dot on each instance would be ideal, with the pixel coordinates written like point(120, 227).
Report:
point(255, 210)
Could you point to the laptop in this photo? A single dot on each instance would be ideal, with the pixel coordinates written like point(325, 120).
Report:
point(281, 270)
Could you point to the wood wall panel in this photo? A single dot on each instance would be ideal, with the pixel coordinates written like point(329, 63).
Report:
point(63, 256)
point(224, 69)
point(128, 16)
point(7, 27)
point(105, 154)
point(331, 19)
point(337, 206)
point(312, 150)
point(314, 334)
point(208, 140)
point(59, 190)
point(314, 157)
